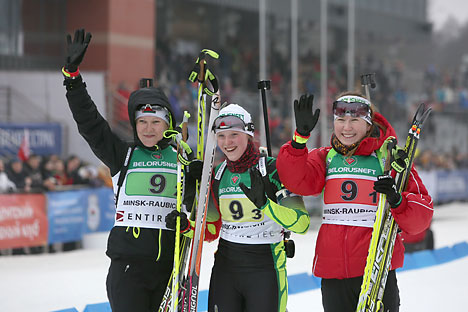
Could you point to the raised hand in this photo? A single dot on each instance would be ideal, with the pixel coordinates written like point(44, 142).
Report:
point(306, 118)
point(76, 49)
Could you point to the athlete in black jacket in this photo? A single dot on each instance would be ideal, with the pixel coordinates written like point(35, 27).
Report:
point(140, 246)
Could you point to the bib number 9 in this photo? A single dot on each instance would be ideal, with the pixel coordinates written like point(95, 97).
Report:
point(236, 211)
point(151, 184)
point(158, 181)
point(349, 188)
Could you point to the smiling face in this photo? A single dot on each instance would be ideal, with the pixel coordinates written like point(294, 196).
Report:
point(232, 143)
point(150, 130)
point(350, 130)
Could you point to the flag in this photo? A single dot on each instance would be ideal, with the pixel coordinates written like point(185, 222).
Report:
point(24, 151)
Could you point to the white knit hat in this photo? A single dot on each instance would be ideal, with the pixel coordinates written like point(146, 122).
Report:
point(234, 117)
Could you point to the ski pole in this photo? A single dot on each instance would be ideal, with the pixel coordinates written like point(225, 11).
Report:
point(262, 86)
point(366, 81)
point(199, 74)
point(180, 138)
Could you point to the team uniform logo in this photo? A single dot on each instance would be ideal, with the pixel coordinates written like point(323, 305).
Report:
point(350, 161)
point(235, 179)
point(157, 156)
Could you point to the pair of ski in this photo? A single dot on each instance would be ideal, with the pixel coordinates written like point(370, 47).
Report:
point(385, 228)
point(182, 290)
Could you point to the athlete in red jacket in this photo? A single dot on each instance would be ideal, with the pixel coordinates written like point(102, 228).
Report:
point(350, 173)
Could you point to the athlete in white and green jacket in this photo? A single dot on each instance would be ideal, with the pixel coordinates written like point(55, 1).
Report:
point(249, 209)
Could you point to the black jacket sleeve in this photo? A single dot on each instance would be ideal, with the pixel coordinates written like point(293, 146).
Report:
point(106, 145)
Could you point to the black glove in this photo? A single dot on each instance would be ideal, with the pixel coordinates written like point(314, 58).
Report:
point(194, 170)
point(385, 184)
point(306, 119)
point(256, 193)
point(76, 49)
point(171, 220)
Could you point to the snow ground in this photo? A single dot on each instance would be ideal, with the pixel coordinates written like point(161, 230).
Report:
point(51, 282)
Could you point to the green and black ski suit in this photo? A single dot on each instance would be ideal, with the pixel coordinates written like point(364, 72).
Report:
point(140, 246)
point(249, 273)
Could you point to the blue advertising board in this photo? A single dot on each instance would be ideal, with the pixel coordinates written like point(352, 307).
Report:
point(72, 214)
point(44, 138)
point(100, 211)
point(66, 214)
point(452, 185)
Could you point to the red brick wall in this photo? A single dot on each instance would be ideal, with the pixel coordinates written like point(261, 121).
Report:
point(123, 37)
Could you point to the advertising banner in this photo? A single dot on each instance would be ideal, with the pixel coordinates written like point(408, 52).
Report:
point(44, 138)
point(23, 220)
point(100, 211)
point(452, 185)
point(66, 213)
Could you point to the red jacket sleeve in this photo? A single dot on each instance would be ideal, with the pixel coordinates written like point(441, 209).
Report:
point(302, 171)
point(414, 214)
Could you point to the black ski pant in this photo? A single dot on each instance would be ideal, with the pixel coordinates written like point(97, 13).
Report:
point(137, 286)
point(243, 291)
point(342, 295)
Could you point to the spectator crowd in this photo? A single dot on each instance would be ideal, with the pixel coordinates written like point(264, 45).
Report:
point(40, 174)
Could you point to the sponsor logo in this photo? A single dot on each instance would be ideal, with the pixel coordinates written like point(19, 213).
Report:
point(352, 170)
point(157, 155)
point(230, 189)
point(154, 163)
point(193, 298)
point(350, 161)
point(235, 179)
point(93, 213)
point(119, 215)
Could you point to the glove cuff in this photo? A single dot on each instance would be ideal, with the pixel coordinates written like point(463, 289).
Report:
point(395, 205)
point(300, 138)
point(296, 145)
point(265, 204)
point(188, 229)
point(72, 84)
point(299, 141)
point(70, 75)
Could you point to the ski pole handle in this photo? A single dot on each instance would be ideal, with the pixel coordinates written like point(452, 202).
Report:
point(184, 126)
point(146, 82)
point(366, 81)
point(198, 72)
point(262, 86)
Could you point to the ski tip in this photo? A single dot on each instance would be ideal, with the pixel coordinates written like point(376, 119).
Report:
point(421, 114)
point(426, 114)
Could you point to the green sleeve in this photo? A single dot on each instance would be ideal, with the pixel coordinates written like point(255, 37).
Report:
point(290, 214)
point(289, 211)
